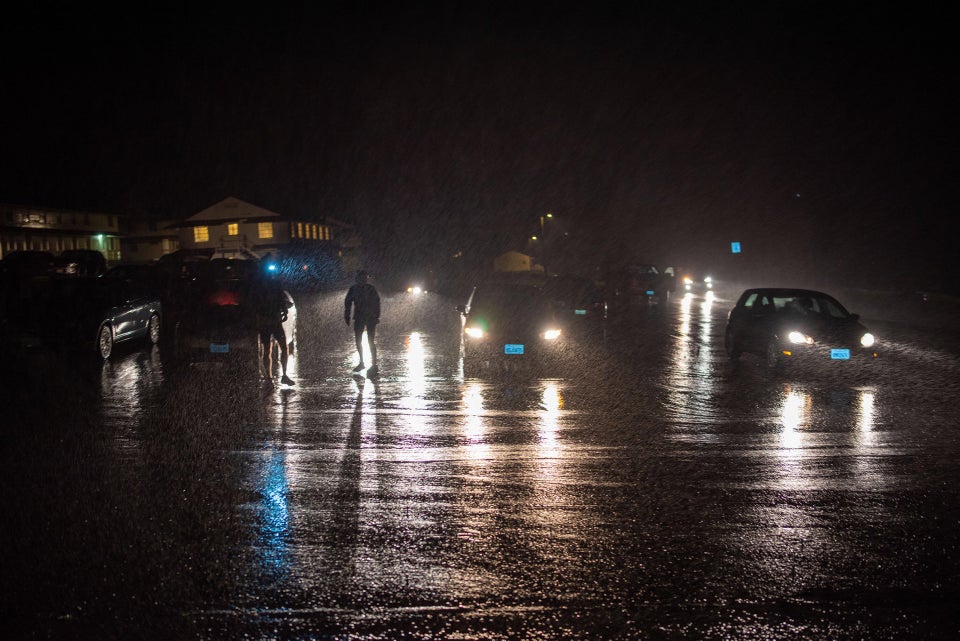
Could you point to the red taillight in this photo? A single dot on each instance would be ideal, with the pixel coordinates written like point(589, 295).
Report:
point(224, 297)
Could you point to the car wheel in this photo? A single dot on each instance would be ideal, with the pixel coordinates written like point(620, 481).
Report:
point(153, 332)
point(730, 344)
point(105, 342)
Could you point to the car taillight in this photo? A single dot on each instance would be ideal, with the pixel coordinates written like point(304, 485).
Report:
point(224, 298)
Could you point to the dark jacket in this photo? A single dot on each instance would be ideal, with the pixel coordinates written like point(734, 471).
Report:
point(365, 301)
point(270, 302)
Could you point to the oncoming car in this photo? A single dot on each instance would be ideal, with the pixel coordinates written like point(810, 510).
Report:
point(509, 325)
point(796, 325)
point(697, 284)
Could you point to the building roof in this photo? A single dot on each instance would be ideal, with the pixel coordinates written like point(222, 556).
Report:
point(235, 210)
point(230, 209)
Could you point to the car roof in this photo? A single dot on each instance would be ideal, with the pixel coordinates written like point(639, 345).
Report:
point(785, 291)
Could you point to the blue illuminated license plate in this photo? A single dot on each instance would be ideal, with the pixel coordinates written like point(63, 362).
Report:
point(219, 348)
point(840, 354)
point(513, 348)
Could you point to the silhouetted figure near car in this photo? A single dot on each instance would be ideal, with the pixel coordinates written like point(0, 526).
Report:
point(365, 301)
point(271, 305)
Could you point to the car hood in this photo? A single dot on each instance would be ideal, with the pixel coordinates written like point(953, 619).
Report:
point(824, 329)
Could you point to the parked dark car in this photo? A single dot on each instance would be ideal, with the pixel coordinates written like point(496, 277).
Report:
point(637, 286)
point(796, 325)
point(508, 325)
point(26, 263)
point(217, 326)
point(80, 262)
point(95, 314)
point(21, 274)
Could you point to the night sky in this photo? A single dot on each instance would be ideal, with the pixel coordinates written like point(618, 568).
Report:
point(815, 135)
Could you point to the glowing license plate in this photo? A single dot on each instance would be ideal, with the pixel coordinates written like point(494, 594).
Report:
point(513, 348)
point(840, 354)
point(219, 348)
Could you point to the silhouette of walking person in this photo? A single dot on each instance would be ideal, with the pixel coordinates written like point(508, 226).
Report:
point(272, 307)
point(364, 300)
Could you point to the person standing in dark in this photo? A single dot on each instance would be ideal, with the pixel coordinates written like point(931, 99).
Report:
point(364, 300)
point(272, 307)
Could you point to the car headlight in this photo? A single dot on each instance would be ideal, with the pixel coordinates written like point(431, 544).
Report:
point(551, 334)
point(708, 280)
point(473, 331)
point(867, 340)
point(799, 338)
point(687, 280)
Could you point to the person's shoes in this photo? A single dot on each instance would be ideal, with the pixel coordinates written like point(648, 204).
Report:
point(359, 367)
point(373, 371)
point(286, 380)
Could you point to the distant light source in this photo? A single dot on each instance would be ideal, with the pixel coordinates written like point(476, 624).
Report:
point(533, 238)
point(735, 247)
point(99, 238)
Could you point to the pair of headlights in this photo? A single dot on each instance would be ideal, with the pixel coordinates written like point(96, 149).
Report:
point(473, 331)
point(799, 338)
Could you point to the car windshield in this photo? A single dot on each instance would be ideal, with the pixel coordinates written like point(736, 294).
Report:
point(509, 302)
point(800, 304)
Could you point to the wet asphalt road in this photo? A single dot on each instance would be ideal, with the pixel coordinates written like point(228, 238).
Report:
point(645, 489)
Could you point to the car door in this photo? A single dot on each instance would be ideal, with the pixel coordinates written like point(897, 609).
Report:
point(758, 323)
point(127, 311)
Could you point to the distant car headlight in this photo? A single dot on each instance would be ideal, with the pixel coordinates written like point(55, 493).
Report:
point(473, 332)
point(708, 280)
point(552, 334)
point(799, 338)
point(687, 280)
point(867, 340)
point(414, 289)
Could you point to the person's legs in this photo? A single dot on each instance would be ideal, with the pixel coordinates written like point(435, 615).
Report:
point(284, 354)
point(358, 333)
point(266, 350)
point(372, 340)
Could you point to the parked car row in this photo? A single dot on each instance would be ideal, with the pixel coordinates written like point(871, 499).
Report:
point(204, 305)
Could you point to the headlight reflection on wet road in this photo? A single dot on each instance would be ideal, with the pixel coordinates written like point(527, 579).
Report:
point(273, 523)
point(415, 383)
point(690, 380)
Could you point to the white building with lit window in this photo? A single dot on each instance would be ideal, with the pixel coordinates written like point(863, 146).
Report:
point(234, 226)
point(25, 227)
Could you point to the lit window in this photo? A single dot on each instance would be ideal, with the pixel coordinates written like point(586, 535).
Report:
point(313, 231)
point(265, 230)
point(233, 229)
point(299, 230)
point(201, 234)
